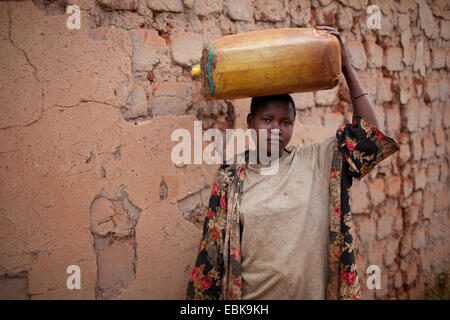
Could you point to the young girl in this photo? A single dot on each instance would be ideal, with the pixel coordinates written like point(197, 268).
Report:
point(289, 235)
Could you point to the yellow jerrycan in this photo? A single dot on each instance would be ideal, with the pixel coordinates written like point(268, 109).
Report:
point(268, 62)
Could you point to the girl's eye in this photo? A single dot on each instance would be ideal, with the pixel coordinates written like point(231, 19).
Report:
point(287, 123)
point(266, 120)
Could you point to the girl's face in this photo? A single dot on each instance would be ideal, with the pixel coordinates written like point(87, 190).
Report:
point(273, 115)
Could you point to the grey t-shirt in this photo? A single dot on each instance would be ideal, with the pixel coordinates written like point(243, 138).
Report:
point(285, 220)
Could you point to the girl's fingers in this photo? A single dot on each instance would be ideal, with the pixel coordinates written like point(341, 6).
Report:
point(332, 31)
point(326, 28)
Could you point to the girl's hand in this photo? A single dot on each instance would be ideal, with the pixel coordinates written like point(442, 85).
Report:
point(345, 57)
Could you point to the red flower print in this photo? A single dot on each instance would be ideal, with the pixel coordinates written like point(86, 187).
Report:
point(223, 202)
point(350, 277)
point(238, 281)
point(230, 295)
point(333, 173)
point(241, 171)
point(215, 188)
point(210, 214)
point(378, 134)
point(337, 210)
point(338, 253)
point(195, 274)
point(206, 282)
point(215, 234)
point(350, 144)
point(342, 127)
point(334, 254)
point(236, 253)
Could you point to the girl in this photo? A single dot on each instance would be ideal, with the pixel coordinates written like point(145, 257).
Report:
point(289, 235)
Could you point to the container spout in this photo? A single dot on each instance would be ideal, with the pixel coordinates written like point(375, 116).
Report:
point(196, 70)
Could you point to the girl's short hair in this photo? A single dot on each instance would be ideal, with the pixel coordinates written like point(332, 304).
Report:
point(257, 101)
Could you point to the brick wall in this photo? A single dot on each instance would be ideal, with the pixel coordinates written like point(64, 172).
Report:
point(87, 116)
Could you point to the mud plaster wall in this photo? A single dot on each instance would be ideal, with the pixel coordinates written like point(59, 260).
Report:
point(86, 118)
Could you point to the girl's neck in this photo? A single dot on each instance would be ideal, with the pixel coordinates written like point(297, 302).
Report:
point(281, 153)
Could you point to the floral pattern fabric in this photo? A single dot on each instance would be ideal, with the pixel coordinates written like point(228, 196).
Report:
point(217, 271)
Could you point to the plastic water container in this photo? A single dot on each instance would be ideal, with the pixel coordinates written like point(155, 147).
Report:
point(267, 62)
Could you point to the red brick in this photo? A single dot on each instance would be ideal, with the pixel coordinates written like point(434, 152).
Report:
point(404, 154)
point(394, 59)
point(374, 55)
point(405, 244)
point(270, 10)
point(393, 185)
point(303, 100)
point(393, 122)
point(427, 21)
point(333, 120)
point(407, 187)
point(429, 148)
point(398, 279)
point(300, 12)
point(428, 205)
point(424, 116)
point(446, 117)
point(443, 90)
point(444, 171)
point(411, 114)
point(412, 214)
point(438, 58)
point(187, 48)
point(365, 228)
point(326, 97)
point(345, 18)
point(420, 179)
point(148, 47)
point(411, 273)
point(442, 199)
point(166, 5)
point(431, 92)
point(417, 198)
point(119, 4)
point(384, 93)
point(376, 252)
point(204, 8)
point(439, 135)
point(391, 251)
point(418, 239)
point(406, 90)
point(357, 54)
point(409, 50)
point(376, 190)
point(433, 173)
point(398, 220)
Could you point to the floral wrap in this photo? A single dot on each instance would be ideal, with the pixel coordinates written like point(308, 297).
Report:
point(217, 271)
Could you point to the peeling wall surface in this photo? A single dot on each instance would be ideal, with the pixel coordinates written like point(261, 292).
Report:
point(87, 116)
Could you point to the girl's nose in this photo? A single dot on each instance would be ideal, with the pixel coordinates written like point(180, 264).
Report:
point(275, 125)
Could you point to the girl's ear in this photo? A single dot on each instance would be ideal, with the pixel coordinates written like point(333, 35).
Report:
point(249, 120)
